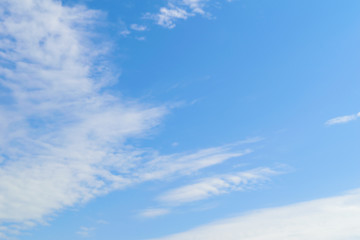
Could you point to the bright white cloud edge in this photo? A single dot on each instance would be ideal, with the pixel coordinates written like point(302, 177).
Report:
point(334, 218)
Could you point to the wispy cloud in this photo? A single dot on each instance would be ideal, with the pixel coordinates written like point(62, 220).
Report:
point(63, 138)
point(101, 221)
point(185, 164)
point(175, 10)
point(168, 15)
point(85, 231)
point(197, 6)
point(342, 119)
point(138, 27)
point(140, 38)
point(61, 135)
point(329, 218)
point(154, 212)
point(209, 187)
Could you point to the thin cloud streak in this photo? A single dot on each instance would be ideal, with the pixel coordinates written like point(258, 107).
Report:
point(210, 187)
point(185, 164)
point(342, 119)
point(154, 212)
point(329, 218)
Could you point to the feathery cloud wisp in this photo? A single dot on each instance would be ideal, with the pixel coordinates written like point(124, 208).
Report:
point(63, 138)
point(183, 9)
point(138, 27)
point(342, 119)
point(209, 187)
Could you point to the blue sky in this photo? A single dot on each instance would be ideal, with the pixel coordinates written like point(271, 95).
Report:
point(179, 119)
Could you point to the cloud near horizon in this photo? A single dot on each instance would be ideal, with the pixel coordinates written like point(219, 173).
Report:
point(333, 218)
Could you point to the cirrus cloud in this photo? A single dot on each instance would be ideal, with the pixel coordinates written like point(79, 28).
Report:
point(342, 119)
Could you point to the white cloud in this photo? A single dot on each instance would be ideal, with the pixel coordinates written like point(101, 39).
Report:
point(329, 218)
point(101, 221)
point(63, 139)
point(197, 6)
point(122, 29)
point(85, 231)
point(154, 212)
point(138, 27)
point(168, 15)
point(141, 38)
point(181, 9)
point(342, 119)
point(60, 137)
point(124, 33)
point(209, 187)
point(185, 164)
